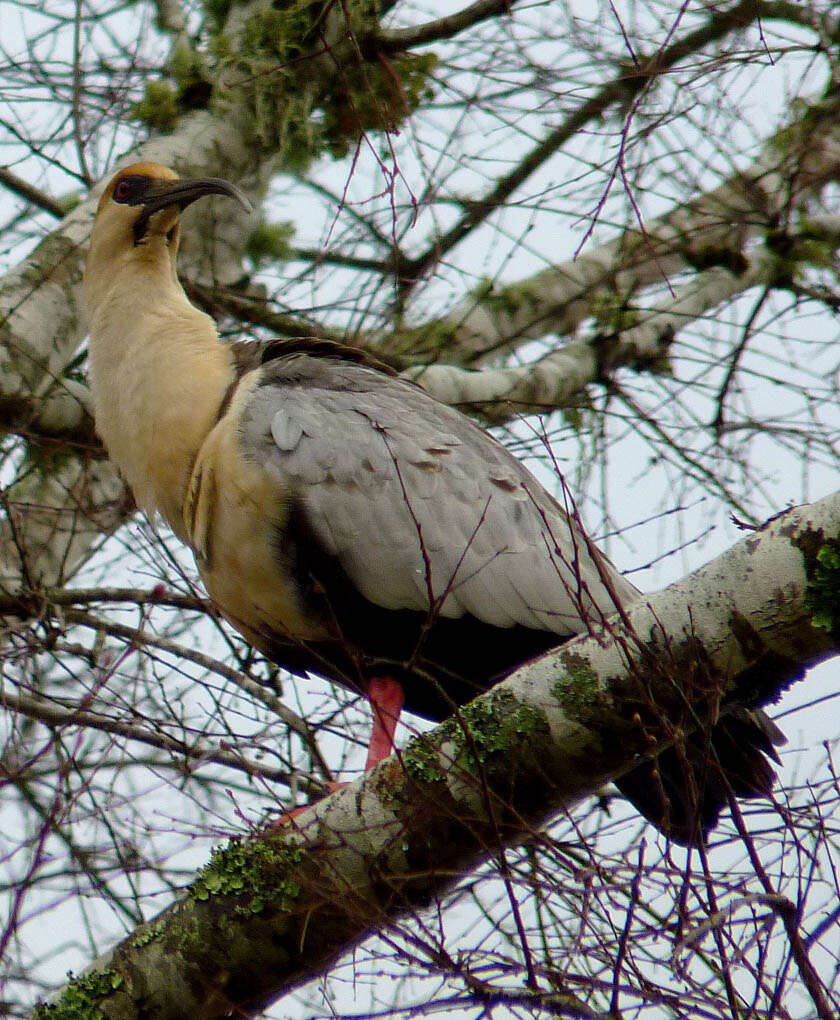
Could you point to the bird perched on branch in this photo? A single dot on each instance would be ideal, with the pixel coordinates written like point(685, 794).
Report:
point(345, 522)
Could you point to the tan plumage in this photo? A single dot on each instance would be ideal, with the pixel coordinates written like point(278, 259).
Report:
point(343, 520)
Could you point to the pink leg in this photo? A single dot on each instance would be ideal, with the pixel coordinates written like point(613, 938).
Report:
point(386, 701)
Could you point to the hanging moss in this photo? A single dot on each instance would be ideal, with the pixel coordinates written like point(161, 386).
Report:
point(301, 102)
point(217, 12)
point(298, 101)
point(266, 72)
point(192, 78)
point(187, 87)
point(158, 109)
point(375, 96)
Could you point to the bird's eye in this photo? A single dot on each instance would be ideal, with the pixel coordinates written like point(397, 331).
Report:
point(129, 189)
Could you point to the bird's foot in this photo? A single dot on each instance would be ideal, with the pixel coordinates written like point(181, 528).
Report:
point(386, 700)
point(288, 816)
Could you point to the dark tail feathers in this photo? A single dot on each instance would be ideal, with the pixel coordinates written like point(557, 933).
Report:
point(735, 760)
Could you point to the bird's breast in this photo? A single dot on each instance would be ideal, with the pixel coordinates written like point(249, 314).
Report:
point(233, 513)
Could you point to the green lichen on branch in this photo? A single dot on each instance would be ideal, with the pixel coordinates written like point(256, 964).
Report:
point(497, 727)
point(82, 997)
point(506, 299)
point(577, 690)
point(822, 566)
point(613, 312)
point(421, 760)
point(484, 732)
point(148, 933)
point(258, 872)
point(493, 726)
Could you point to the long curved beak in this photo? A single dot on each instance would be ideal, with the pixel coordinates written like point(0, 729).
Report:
point(164, 194)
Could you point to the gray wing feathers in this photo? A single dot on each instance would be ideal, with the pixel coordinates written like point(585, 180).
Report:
point(416, 502)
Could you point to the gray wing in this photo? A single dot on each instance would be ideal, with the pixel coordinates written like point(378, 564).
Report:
point(419, 505)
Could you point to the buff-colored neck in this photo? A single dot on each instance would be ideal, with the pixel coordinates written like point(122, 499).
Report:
point(158, 373)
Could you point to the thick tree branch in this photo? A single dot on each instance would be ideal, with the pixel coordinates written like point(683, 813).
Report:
point(272, 911)
point(561, 377)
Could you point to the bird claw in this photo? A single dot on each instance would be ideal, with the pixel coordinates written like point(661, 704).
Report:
point(287, 818)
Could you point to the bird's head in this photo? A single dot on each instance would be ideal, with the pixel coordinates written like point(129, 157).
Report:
point(140, 212)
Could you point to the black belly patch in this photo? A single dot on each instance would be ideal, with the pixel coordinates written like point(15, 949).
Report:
point(441, 662)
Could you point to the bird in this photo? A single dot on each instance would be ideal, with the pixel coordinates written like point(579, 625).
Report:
point(343, 520)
